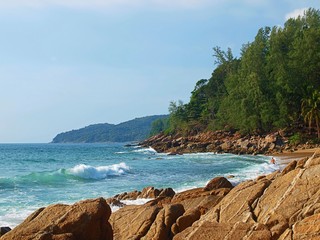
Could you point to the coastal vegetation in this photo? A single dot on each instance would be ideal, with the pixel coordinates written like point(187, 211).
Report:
point(274, 84)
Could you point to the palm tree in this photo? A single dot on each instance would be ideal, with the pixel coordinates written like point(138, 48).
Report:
point(310, 110)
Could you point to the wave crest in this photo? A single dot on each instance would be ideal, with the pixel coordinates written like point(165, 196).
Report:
point(101, 172)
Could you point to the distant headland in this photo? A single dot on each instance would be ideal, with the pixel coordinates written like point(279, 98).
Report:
point(134, 130)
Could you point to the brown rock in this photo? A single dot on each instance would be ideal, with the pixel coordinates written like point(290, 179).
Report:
point(85, 220)
point(188, 218)
point(208, 230)
point(167, 192)
point(194, 198)
point(218, 182)
point(133, 222)
point(159, 201)
point(314, 160)
point(301, 162)
point(291, 166)
point(149, 192)
point(289, 198)
point(226, 146)
point(270, 138)
point(161, 227)
point(237, 205)
point(308, 228)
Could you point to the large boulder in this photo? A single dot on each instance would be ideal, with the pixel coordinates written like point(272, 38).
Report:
point(186, 220)
point(133, 222)
point(85, 220)
point(218, 182)
point(197, 197)
point(161, 227)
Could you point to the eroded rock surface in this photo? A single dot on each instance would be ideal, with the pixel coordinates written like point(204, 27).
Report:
point(85, 220)
point(279, 206)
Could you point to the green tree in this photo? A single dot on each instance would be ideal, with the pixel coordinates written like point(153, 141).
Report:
point(310, 109)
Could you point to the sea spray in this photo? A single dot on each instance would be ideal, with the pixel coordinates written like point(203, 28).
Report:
point(101, 172)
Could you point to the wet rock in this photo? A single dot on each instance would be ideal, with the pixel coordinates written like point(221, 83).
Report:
point(4, 230)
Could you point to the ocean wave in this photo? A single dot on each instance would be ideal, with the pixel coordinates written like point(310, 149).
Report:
point(148, 150)
point(253, 172)
point(60, 176)
point(89, 172)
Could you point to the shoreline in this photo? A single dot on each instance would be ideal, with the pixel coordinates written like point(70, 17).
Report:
point(284, 158)
point(203, 201)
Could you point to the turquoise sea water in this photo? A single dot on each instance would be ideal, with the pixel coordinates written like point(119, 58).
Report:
point(36, 175)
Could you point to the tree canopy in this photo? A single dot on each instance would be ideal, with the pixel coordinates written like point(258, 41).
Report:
point(272, 85)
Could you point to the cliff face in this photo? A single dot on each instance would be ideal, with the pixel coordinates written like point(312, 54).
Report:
point(220, 141)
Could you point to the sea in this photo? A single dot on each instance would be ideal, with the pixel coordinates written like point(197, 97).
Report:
point(37, 175)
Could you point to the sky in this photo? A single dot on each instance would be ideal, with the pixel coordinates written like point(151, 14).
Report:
point(66, 64)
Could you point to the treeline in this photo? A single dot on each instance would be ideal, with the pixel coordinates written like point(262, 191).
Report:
point(275, 83)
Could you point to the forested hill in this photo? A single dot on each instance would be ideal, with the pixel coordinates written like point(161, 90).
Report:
point(133, 130)
point(274, 84)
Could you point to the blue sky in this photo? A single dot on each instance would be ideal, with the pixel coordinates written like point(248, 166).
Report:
point(65, 64)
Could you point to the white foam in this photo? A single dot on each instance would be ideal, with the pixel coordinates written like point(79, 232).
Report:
point(101, 172)
point(139, 201)
point(253, 172)
point(121, 152)
point(146, 150)
point(14, 217)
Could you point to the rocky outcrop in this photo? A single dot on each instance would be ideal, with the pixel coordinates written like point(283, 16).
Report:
point(85, 220)
point(281, 205)
point(165, 216)
point(216, 183)
point(222, 141)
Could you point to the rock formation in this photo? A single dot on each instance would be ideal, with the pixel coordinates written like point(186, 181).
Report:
point(85, 220)
point(222, 142)
point(164, 216)
point(281, 205)
point(278, 206)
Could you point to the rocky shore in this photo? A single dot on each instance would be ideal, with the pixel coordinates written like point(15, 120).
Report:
point(224, 142)
point(282, 205)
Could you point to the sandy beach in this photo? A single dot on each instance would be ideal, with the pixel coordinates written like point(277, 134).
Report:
point(282, 159)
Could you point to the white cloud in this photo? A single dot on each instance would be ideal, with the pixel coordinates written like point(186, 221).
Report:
point(296, 13)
